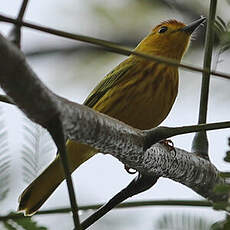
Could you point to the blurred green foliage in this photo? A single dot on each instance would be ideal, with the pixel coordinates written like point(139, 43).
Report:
point(182, 221)
point(22, 224)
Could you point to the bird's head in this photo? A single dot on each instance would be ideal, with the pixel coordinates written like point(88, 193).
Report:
point(169, 39)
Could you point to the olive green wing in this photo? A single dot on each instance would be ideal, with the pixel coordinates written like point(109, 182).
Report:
point(109, 81)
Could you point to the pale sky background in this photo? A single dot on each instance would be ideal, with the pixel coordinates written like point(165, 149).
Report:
point(73, 76)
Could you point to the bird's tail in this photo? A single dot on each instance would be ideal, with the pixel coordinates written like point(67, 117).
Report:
point(44, 185)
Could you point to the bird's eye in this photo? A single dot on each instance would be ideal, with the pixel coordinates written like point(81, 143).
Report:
point(163, 29)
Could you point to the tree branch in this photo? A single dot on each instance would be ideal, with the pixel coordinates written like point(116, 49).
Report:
point(80, 123)
point(15, 33)
point(21, 85)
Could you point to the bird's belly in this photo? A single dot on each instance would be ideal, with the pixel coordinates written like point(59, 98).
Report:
point(144, 113)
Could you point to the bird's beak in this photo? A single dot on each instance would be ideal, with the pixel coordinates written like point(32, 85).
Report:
point(192, 26)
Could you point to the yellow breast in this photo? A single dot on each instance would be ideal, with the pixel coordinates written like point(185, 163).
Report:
point(144, 98)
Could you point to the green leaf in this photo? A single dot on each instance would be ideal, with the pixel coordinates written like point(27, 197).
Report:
point(225, 48)
point(222, 188)
point(227, 157)
point(219, 28)
point(222, 22)
point(225, 174)
point(222, 225)
point(185, 222)
point(221, 205)
point(8, 226)
point(222, 31)
point(24, 223)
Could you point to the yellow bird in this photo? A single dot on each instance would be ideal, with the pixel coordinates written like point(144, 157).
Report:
point(138, 92)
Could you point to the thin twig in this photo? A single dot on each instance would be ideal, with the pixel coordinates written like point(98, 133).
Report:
point(56, 130)
point(138, 185)
point(209, 41)
point(200, 141)
point(133, 204)
point(15, 34)
point(113, 47)
point(22, 10)
point(161, 132)
point(201, 127)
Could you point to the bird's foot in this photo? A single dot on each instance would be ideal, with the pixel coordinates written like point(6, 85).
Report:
point(169, 144)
